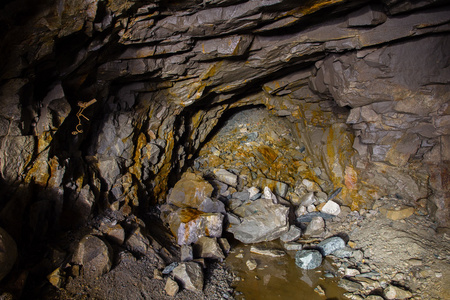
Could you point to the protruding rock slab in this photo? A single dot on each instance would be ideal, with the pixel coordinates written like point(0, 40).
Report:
point(308, 259)
point(262, 221)
point(8, 253)
point(190, 275)
point(94, 255)
point(190, 191)
point(393, 292)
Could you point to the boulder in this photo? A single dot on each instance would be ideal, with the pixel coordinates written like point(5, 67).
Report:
point(8, 253)
point(95, 255)
point(207, 247)
point(261, 221)
point(190, 191)
point(188, 225)
point(328, 246)
point(308, 259)
point(190, 275)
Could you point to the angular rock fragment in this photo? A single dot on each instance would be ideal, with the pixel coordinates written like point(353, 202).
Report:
point(267, 252)
point(261, 221)
point(226, 177)
point(207, 247)
point(190, 275)
point(293, 234)
point(137, 242)
point(315, 227)
point(171, 287)
point(187, 253)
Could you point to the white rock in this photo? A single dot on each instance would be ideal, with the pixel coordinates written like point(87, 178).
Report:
point(311, 186)
point(331, 208)
point(251, 264)
point(253, 191)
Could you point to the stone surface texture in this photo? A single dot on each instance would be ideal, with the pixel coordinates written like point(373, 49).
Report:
point(362, 87)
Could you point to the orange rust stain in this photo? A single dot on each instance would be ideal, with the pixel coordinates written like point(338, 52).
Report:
point(189, 214)
point(268, 153)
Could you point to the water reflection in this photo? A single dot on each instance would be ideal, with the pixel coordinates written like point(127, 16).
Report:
point(279, 277)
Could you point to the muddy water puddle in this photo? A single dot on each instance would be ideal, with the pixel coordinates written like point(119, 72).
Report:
point(279, 277)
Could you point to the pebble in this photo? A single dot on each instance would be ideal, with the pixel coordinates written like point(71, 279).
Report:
point(292, 234)
point(349, 285)
point(315, 227)
point(251, 264)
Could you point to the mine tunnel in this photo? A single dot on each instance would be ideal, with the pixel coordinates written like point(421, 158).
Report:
point(224, 149)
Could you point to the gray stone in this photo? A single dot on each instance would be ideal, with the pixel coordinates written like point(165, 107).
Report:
point(309, 216)
point(207, 247)
point(293, 234)
point(308, 199)
point(291, 246)
point(349, 285)
point(168, 269)
point(308, 259)
point(329, 245)
point(315, 227)
point(95, 255)
point(224, 244)
point(8, 253)
point(370, 15)
point(212, 206)
point(261, 221)
point(226, 177)
point(345, 252)
point(243, 196)
point(190, 275)
point(187, 253)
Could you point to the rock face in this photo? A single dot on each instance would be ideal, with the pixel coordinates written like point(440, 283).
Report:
point(262, 221)
point(364, 88)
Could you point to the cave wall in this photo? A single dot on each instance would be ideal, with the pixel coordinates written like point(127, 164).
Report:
point(364, 84)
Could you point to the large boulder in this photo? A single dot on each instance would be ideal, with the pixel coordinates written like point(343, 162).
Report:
point(261, 221)
point(95, 255)
point(190, 191)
